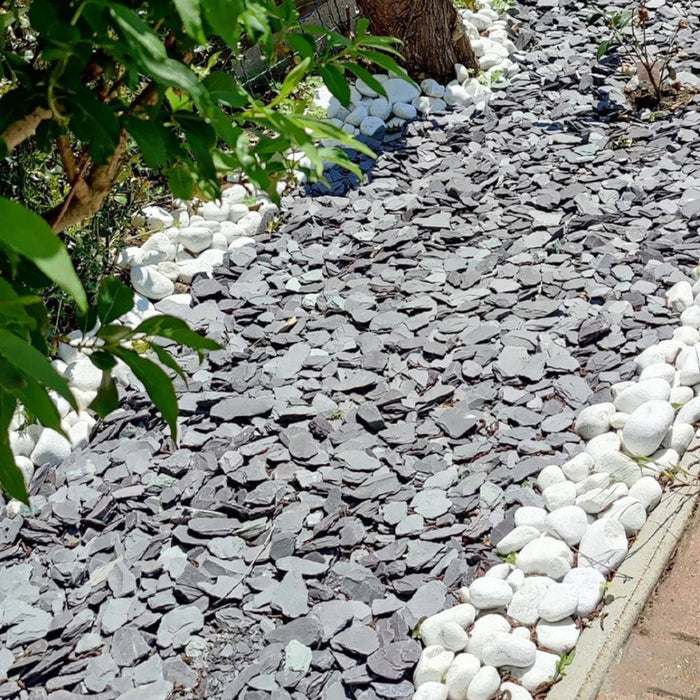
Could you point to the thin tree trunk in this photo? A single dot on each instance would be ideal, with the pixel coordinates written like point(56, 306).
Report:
point(432, 32)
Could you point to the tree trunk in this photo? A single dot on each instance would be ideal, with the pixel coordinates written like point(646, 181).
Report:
point(432, 31)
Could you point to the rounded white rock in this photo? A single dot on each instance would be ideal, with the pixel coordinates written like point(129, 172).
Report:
point(371, 125)
point(659, 370)
point(432, 665)
point(687, 335)
point(484, 629)
point(595, 501)
point(195, 238)
point(432, 690)
point(618, 420)
point(679, 437)
point(380, 108)
point(590, 585)
point(404, 111)
point(51, 449)
point(542, 671)
point(630, 512)
point(490, 593)
point(680, 395)
point(398, 90)
point(508, 650)
point(500, 571)
point(691, 317)
point(559, 495)
point(546, 556)
point(485, 684)
point(680, 296)
point(517, 692)
point(578, 468)
point(560, 636)
point(647, 491)
point(561, 601)
point(568, 524)
point(532, 516)
point(452, 637)
point(550, 475)
point(432, 88)
point(620, 467)
point(648, 390)
point(463, 614)
point(594, 420)
point(517, 538)
point(460, 674)
point(146, 280)
point(516, 579)
point(603, 546)
point(600, 444)
point(526, 600)
point(646, 427)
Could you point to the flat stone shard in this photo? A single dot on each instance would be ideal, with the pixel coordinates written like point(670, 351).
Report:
point(177, 626)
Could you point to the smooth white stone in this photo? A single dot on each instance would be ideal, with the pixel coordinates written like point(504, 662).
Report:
point(594, 481)
point(484, 629)
point(648, 390)
point(691, 317)
point(432, 665)
point(158, 248)
point(457, 96)
point(690, 369)
point(600, 444)
point(617, 388)
point(550, 475)
point(252, 223)
point(236, 213)
point(507, 650)
point(432, 88)
point(81, 374)
point(218, 241)
point(568, 524)
point(146, 280)
point(431, 691)
point(405, 111)
point(526, 600)
point(690, 412)
point(680, 296)
point(380, 108)
point(364, 89)
point(522, 633)
point(357, 115)
point(652, 355)
point(590, 585)
point(559, 495)
point(489, 593)
point(618, 420)
point(679, 437)
point(597, 500)
point(603, 546)
point(24, 464)
point(463, 73)
point(659, 370)
point(647, 491)
point(51, 449)
point(662, 460)
point(620, 467)
point(578, 468)
point(516, 579)
point(452, 637)
point(687, 335)
point(464, 594)
point(231, 231)
point(371, 125)
point(630, 512)
point(463, 615)
point(531, 515)
point(485, 684)
point(560, 636)
point(79, 434)
point(646, 427)
point(170, 270)
point(517, 538)
point(195, 238)
point(594, 420)
point(460, 674)
point(560, 602)
point(517, 692)
point(215, 211)
point(500, 571)
point(398, 90)
point(542, 671)
point(546, 556)
point(680, 395)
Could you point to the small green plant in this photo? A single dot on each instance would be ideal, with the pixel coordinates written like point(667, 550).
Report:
point(502, 6)
point(508, 558)
point(628, 31)
point(564, 662)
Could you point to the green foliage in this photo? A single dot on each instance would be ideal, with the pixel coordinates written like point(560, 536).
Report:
point(87, 86)
point(565, 660)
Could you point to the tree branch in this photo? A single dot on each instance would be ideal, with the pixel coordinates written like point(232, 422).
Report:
point(25, 127)
point(67, 158)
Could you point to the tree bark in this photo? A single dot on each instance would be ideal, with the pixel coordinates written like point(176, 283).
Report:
point(432, 31)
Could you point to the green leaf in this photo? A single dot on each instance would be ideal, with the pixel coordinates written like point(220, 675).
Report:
point(190, 14)
point(11, 379)
point(114, 299)
point(603, 48)
point(153, 140)
point(103, 360)
point(24, 357)
point(11, 477)
point(28, 235)
point(113, 333)
point(96, 125)
point(388, 64)
point(36, 401)
point(167, 359)
point(336, 82)
point(175, 329)
point(226, 89)
point(107, 399)
point(304, 46)
point(292, 80)
point(181, 183)
point(158, 385)
point(366, 77)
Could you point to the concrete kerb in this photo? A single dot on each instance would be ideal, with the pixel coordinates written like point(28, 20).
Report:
point(599, 645)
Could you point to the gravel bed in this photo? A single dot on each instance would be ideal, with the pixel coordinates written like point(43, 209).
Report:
point(401, 361)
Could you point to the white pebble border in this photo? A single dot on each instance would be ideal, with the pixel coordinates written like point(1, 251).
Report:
point(193, 238)
point(520, 618)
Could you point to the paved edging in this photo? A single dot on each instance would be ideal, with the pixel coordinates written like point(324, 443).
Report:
point(598, 649)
